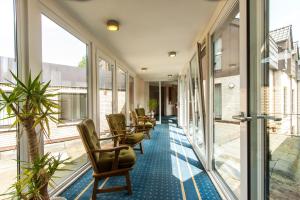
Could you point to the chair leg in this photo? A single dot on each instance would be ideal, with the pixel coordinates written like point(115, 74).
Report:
point(128, 183)
point(141, 148)
point(95, 188)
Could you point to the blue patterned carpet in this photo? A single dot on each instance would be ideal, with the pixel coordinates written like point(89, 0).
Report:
point(169, 169)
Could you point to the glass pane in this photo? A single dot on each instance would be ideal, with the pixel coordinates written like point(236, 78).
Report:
point(198, 110)
point(105, 92)
point(154, 94)
point(226, 104)
point(281, 100)
point(204, 68)
point(191, 107)
point(121, 80)
point(131, 93)
point(68, 75)
point(8, 152)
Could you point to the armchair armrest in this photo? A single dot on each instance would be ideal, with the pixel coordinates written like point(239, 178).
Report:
point(117, 150)
point(108, 138)
point(124, 131)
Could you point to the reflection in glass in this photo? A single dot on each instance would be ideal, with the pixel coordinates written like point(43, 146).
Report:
point(196, 94)
point(105, 92)
point(281, 100)
point(68, 75)
point(226, 68)
point(121, 81)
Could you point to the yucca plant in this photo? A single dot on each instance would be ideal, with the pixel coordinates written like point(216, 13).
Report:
point(32, 105)
point(34, 174)
point(152, 104)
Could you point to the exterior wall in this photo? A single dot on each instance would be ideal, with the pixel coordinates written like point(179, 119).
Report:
point(230, 96)
point(106, 107)
point(230, 43)
point(280, 102)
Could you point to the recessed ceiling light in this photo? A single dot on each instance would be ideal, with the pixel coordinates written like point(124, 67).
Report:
point(170, 75)
point(144, 68)
point(172, 54)
point(112, 25)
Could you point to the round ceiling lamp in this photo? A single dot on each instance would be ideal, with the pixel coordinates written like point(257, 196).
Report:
point(112, 25)
point(172, 54)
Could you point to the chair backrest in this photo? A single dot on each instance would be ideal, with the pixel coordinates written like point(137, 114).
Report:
point(140, 112)
point(116, 123)
point(90, 141)
point(134, 118)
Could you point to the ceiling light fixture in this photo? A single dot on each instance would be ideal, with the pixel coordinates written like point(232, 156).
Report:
point(112, 25)
point(172, 54)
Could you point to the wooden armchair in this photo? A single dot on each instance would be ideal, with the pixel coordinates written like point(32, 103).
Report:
point(127, 134)
point(115, 161)
point(141, 124)
point(142, 116)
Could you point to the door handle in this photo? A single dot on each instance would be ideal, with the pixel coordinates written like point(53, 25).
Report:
point(276, 119)
point(241, 117)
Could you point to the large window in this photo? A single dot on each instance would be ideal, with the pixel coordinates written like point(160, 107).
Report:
point(74, 107)
point(226, 103)
point(65, 64)
point(131, 93)
point(8, 144)
point(218, 53)
point(197, 108)
point(121, 81)
point(105, 92)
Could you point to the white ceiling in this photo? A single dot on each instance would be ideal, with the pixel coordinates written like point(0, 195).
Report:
point(149, 30)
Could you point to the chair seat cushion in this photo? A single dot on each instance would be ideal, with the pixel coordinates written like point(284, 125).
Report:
point(147, 124)
point(127, 159)
point(134, 138)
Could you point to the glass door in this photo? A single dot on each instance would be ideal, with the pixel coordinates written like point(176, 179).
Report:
point(131, 93)
point(191, 104)
point(155, 95)
point(229, 103)
point(280, 95)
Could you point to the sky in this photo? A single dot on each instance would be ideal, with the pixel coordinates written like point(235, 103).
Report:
point(60, 47)
point(285, 12)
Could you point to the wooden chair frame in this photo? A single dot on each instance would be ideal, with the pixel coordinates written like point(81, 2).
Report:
point(98, 175)
point(123, 138)
point(140, 126)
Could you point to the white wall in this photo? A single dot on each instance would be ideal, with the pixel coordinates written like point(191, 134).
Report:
point(139, 92)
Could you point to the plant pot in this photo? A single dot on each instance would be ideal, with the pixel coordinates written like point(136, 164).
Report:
point(58, 198)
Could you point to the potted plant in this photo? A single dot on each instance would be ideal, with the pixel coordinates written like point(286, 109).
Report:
point(32, 105)
point(152, 104)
